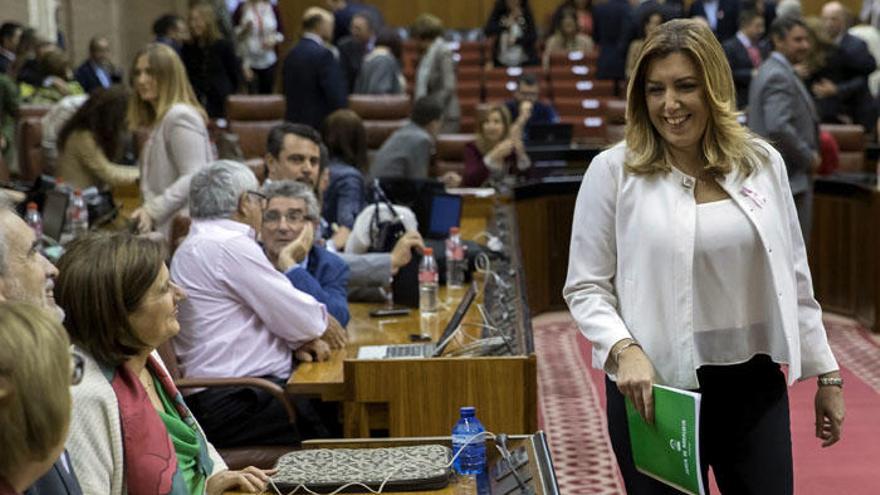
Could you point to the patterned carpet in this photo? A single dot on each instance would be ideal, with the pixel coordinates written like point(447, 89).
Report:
point(571, 409)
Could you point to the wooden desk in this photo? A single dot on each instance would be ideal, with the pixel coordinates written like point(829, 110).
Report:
point(539, 467)
point(410, 397)
point(843, 250)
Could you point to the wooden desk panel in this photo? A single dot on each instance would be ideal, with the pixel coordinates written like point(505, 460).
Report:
point(326, 379)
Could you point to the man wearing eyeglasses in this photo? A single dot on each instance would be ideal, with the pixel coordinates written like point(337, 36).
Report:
point(288, 231)
point(27, 276)
point(241, 316)
point(295, 153)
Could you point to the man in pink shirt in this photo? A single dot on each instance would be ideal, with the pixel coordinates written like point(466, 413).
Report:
point(241, 317)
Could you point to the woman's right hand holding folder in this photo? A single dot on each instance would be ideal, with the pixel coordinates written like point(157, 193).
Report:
point(635, 376)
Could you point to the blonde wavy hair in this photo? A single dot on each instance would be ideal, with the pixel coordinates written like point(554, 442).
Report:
point(482, 143)
point(726, 144)
point(172, 85)
point(35, 374)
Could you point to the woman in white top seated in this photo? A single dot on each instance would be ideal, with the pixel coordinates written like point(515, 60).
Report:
point(731, 300)
point(164, 104)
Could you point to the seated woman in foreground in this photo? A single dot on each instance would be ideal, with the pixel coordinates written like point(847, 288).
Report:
point(131, 431)
point(498, 151)
point(35, 379)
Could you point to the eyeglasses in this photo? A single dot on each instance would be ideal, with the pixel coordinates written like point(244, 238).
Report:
point(77, 367)
point(260, 197)
point(293, 217)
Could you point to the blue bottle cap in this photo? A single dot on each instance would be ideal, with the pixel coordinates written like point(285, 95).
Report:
point(468, 410)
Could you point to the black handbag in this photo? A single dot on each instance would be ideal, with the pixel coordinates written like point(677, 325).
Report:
point(384, 233)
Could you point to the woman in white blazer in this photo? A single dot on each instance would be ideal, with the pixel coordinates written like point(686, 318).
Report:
point(178, 145)
point(688, 269)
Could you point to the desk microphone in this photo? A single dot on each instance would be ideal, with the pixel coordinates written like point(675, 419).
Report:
point(501, 445)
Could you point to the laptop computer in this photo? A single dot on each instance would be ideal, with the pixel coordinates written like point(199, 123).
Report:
point(547, 134)
point(418, 351)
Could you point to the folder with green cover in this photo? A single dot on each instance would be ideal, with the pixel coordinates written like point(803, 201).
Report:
point(669, 450)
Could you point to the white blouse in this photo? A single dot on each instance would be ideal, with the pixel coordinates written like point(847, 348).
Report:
point(732, 293)
point(631, 265)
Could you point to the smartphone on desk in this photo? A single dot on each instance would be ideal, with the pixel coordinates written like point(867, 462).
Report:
point(383, 312)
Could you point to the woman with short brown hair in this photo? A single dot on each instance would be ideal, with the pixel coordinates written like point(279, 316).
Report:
point(131, 431)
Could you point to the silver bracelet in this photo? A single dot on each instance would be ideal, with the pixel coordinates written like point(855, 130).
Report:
point(632, 342)
point(829, 381)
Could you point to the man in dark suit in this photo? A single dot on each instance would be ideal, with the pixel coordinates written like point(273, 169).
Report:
point(354, 47)
point(841, 86)
point(10, 34)
point(722, 16)
point(98, 71)
point(743, 53)
point(313, 80)
point(610, 20)
point(782, 110)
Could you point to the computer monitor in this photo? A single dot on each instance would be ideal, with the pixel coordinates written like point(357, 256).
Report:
point(54, 214)
point(549, 134)
point(445, 212)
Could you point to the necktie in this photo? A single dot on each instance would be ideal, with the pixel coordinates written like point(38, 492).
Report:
point(755, 55)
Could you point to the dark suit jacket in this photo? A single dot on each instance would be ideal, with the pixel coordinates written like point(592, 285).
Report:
point(214, 73)
point(57, 481)
point(313, 83)
point(781, 109)
point(848, 67)
point(741, 66)
point(610, 22)
point(728, 17)
point(87, 78)
point(351, 56)
point(326, 279)
point(5, 64)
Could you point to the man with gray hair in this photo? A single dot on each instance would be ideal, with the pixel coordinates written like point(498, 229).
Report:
point(27, 276)
point(241, 316)
point(289, 224)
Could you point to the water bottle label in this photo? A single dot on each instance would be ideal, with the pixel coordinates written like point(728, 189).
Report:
point(427, 277)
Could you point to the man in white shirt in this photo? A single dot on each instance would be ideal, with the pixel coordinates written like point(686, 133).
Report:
point(241, 318)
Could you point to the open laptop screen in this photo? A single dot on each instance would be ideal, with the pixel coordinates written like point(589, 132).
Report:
point(455, 321)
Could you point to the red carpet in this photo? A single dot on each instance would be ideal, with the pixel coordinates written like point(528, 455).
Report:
point(571, 411)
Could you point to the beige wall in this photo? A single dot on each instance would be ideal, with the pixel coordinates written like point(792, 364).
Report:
point(14, 10)
point(127, 23)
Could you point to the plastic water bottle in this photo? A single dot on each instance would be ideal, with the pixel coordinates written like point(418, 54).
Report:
point(428, 282)
point(78, 215)
point(471, 461)
point(35, 222)
point(455, 260)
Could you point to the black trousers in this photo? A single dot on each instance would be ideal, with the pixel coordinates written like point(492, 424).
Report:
point(245, 416)
point(263, 81)
point(745, 433)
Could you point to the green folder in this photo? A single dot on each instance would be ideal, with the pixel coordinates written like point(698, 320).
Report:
point(669, 450)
